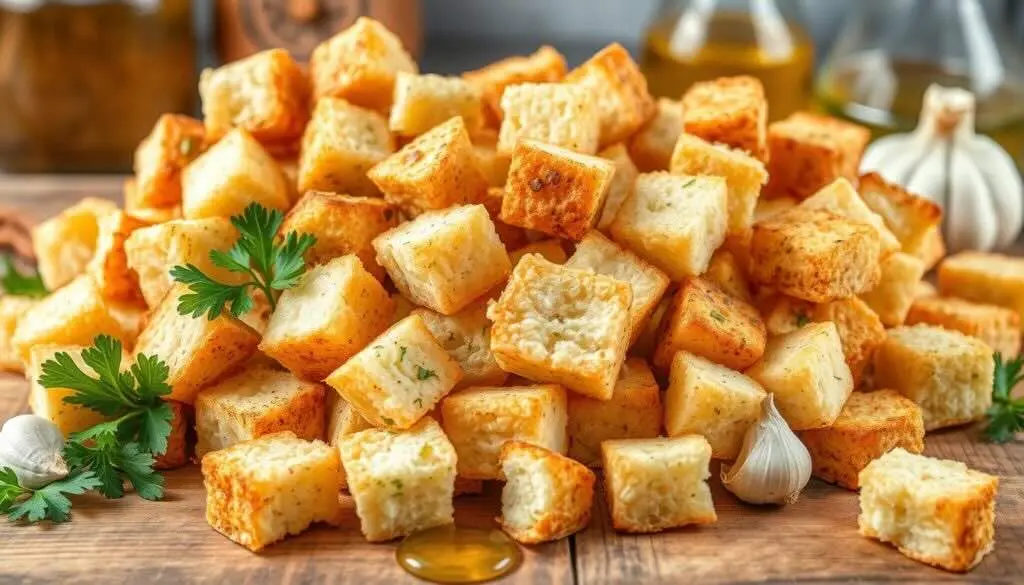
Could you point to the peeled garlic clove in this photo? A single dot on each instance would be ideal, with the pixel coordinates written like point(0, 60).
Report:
point(32, 447)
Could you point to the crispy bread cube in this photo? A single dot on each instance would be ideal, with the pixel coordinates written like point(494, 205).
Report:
point(436, 170)
point(401, 482)
point(998, 327)
point(342, 421)
point(336, 310)
point(706, 321)
point(49, 402)
point(728, 110)
point(255, 402)
point(651, 147)
point(770, 207)
point(544, 65)
point(466, 336)
point(948, 374)
point(814, 255)
point(443, 260)
point(425, 101)
point(173, 143)
point(808, 151)
point(704, 398)
point(547, 496)
point(648, 339)
point(869, 426)
point(150, 215)
point(623, 103)
point(914, 220)
point(934, 248)
point(480, 420)
point(935, 511)
point(744, 175)
point(399, 377)
point(341, 143)
point(860, 331)
point(656, 484)
point(109, 264)
point(12, 310)
point(806, 371)
point(359, 64)
point(551, 250)
point(621, 185)
point(674, 222)
point(260, 491)
point(177, 454)
point(633, 412)
point(984, 278)
point(598, 254)
point(924, 289)
point(493, 164)
point(564, 115)
point(892, 296)
point(560, 325)
point(726, 272)
point(842, 199)
point(64, 244)
point(511, 236)
point(229, 176)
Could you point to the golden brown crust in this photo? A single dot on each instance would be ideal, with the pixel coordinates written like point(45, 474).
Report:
point(809, 151)
point(175, 141)
point(728, 110)
point(651, 146)
point(177, 443)
point(546, 64)
point(109, 265)
point(621, 89)
point(998, 327)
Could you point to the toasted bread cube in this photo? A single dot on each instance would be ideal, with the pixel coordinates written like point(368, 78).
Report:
point(648, 339)
point(466, 336)
point(808, 375)
point(935, 511)
point(148, 214)
point(49, 402)
point(401, 482)
point(948, 374)
point(64, 244)
point(436, 170)
point(544, 65)
point(335, 311)
point(480, 420)
point(728, 110)
point(109, 264)
point(621, 185)
point(598, 254)
point(360, 64)
point(547, 496)
point(12, 310)
point(229, 176)
point(770, 207)
point(808, 151)
point(924, 289)
point(704, 398)
point(706, 321)
point(726, 272)
point(177, 453)
point(564, 115)
point(860, 330)
point(493, 164)
point(914, 220)
point(744, 175)
point(623, 103)
point(341, 143)
point(399, 377)
point(997, 327)
point(934, 248)
point(564, 326)
point(674, 222)
point(342, 421)
point(551, 250)
point(993, 279)
point(869, 426)
point(424, 101)
point(651, 147)
point(260, 491)
point(892, 296)
point(842, 199)
point(633, 412)
point(173, 143)
point(511, 236)
point(656, 484)
point(255, 402)
point(815, 255)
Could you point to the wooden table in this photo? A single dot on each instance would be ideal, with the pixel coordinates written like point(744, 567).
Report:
point(812, 541)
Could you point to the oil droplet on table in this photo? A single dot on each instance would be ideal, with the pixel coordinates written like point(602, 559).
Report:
point(451, 554)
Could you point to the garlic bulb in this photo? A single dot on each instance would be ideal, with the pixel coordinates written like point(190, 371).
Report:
point(969, 175)
point(773, 465)
point(31, 446)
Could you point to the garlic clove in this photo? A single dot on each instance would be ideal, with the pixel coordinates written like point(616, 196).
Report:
point(1004, 182)
point(964, 177)
point(32, 447)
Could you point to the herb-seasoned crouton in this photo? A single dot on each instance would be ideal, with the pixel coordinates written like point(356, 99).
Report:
point(651, 147)
point(860, 331)
point(623, 103)
point(808, 151)
point(914, 220)
point(728, 110)
point(892, 296)
point(564, 115)
point(726, 271)
point(64, 244)
point(551, 250)
point(998, 327)
point(646, 343)
point(984, 278)
point(545, 65)
point(621, 185)
point(342, 421)
point(109, 264)
point(49, 402)
point(173, 143)
point(425, 101)
point(842, 199)
point(466, 336)
point(12, 310)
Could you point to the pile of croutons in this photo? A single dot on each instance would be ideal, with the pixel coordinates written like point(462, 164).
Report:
point(521, 274)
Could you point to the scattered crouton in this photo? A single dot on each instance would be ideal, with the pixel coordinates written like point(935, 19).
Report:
point(892, 296)
point(998, 327)
point(808, 151)
point(173, 143)
point(493, 164)
point(621, 185)
point(466, 336)
point(424, 101)
point(342, 421)
point(914, 220)
point(842, 199)
point(994, 279)
point(620, 89)
point(109, 265)
point(64, 244)
point(545, 65)
point(564, 115)
point(728, 110)
point(651, 147)
point(727, 272)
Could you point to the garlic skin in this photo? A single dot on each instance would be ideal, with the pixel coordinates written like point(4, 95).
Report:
point(773, 465)
point(31, 446)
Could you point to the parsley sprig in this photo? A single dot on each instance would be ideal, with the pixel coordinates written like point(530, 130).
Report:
point(14, 282)
point(1006, 415)
point(273, 264)
point(46, 503)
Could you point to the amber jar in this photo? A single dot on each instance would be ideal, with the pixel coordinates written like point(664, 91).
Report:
point(82, 81)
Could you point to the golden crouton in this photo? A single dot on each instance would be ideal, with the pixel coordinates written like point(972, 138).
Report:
point(360, 64)
point(64, 244)
point(436, 170)
point(770, 207)
point(647, 341)
point(842, 199)
point(948, 374)
point(726, 272)
point(150, 215)
point(998, 327)
point(651, 147)
point(892, 296)
point(621, 185)
point(993, 279)
point(674, 222)
point(808, 151)
point(493, 164)
point(511, 236)
point(869, 426)
point(560, 325)
point(342, 421)
point(551, 250)
point(480, 420)
point(109, 264)
point(914, 220)
point(623, 103)
point(860, 331)
point(564, 115)
point(934, 511)
point(425, 101)
point(656, 484)
point(49, 402)
point(546, 496)
point(12, 310)
point(173, 143)
point(728, 110)
point(924, 289)
point(260, 491)
point(545, 65)
point(466, 336)
point(177, 454)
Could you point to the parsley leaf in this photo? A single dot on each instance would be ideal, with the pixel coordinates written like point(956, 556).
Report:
point(46, 503)
point(1006, 415)
point(16, 283)
point(424, 374)
point(802, 319)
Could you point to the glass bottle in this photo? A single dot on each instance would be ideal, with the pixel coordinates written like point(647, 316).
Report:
point(696, 40)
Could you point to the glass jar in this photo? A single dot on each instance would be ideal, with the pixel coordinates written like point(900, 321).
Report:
point(697, 40)
point(83, 81)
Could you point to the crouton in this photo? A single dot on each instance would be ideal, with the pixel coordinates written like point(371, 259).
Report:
point(948, 374)
point(260, 491)
point(342, 421)
point(547, 496)
point(177, 454)
point(935, 511)
point(360, 64)
point(646, 342)
point(564, 326)
point(728, 110)
point(998, 327)
point(564, 115)
point(620, 89)
point(436, 170)
point(704, 398)
point(424, 101)
point(651, 147)
point(770, 207)
point(892, 296)
point(727, 273)
point(479, 420)
point(934, 248)
point(808, 151)
point(860, 331)
point(401, 482)
point(511, 236)
point(545, 65)
point(173, 143)
point(466, 336)
point(109, 264)
point(993, 279)
point(551, 250)
point(914, 220)
point(808, 375)
point(656, 484)
point(842, 199)
point(870, 425)
point(924, 289)
point(621, 185)
point(12, 310)
point(49, 402)
point(492, 164)
point(148, 214)
point(674, 222)
point(64, 244)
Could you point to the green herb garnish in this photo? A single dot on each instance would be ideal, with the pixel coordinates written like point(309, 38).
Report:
point(424, 374)
point(46, 503)
point(1006, 415)
point(17, 284)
